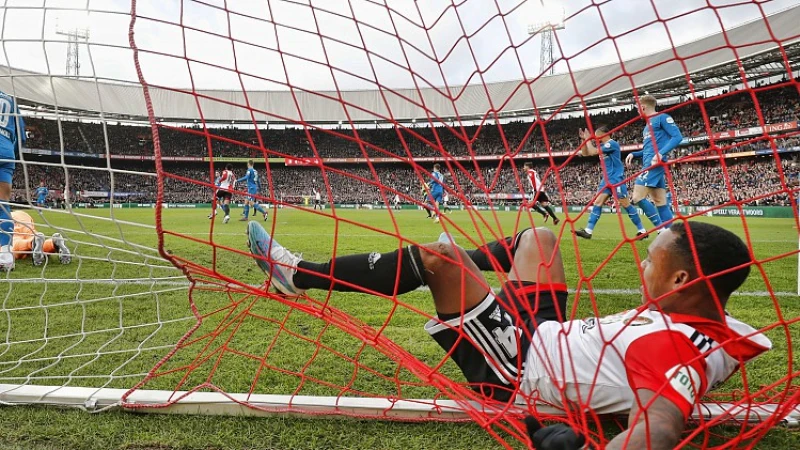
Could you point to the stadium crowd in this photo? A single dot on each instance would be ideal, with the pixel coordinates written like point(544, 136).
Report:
point(694, 183)
point(734, 110)
point(574, 181)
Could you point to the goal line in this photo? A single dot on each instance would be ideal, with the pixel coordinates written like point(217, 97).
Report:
point(216, 403)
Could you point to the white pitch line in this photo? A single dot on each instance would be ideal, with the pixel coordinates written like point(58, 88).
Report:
point(406, 236)
point(176, 282)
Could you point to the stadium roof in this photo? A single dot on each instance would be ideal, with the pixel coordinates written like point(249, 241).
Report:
point(709, 61)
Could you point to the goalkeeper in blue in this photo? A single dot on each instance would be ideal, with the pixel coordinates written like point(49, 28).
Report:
point(612, 181)
point(251, 176)
point(12, 137)
point(41, 195)
point(661, 135)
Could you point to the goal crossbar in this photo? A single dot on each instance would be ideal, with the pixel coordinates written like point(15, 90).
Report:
point(215, 403)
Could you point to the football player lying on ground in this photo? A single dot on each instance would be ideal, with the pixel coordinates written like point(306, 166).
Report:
point(27, 241)
point(656, 361)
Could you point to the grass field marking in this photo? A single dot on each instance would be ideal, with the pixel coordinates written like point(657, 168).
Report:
point(374, 235)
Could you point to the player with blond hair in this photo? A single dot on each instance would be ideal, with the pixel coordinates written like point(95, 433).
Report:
point(661, 135)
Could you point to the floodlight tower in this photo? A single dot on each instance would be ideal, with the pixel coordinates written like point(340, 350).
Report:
point(553, 20)
point(74, 38)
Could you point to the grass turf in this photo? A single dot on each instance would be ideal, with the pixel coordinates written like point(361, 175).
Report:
point(69, 329)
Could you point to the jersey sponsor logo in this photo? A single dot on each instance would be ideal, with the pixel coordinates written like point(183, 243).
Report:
point(495, 315)
point(685, 380)
point(372, 259)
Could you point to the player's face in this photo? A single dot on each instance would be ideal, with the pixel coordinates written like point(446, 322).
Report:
point(660, 273)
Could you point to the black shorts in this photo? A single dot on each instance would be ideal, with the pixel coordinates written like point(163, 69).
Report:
point(496, 336)
point(223, 195)
point(541, 196)
point(316, 202)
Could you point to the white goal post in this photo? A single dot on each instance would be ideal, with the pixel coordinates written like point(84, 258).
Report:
point(215, 403)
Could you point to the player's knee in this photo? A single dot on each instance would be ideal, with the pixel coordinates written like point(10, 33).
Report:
point(437, 255)
point(599, 202)
point(537, 238)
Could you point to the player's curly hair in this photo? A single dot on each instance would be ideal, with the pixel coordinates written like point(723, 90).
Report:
point(721, 255)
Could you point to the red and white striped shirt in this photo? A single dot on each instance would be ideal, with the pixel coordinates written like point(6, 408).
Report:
point(227, 180)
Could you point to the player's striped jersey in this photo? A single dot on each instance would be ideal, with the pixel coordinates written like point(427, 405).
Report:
point(317, 195)
point(599, 362)
point(227, 180)
point(12, 127)
point(533, 180)
point(666, 135)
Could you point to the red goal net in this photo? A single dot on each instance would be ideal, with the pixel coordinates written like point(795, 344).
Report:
point(345, 106)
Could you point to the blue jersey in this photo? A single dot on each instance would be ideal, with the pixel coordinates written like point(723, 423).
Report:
point(12, 127)
point(41, 194)
point(436, 183)
point(612, 161)
point(251, 176)
point(665, 136)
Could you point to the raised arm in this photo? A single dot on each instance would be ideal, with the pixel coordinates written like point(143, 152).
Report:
point(588, 148)
point(658, 425)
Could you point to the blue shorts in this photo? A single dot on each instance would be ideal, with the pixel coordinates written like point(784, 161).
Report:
point(437, 197)
point(251, 194)
point(7, 171)
point(652, 178)
point(622, 190)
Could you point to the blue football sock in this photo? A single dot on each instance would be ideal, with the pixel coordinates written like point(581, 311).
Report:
point(246, 210)
point(594, 217)
point(650, 211)
point(6, 225)
point(227, 209)
point(634, 215)
point(258, 208)
point(665, 212)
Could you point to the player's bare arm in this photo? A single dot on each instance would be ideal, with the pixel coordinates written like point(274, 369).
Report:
point(588, 149)
point(657, 424)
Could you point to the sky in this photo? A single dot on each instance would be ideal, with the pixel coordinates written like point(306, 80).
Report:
point(351, 44)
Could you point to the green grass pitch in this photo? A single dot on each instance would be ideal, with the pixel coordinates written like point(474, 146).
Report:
point(76, 331)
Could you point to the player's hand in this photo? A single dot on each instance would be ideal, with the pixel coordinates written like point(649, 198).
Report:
point(656, 159)
point(553, 437)
point(584, 134)
point(629, 160)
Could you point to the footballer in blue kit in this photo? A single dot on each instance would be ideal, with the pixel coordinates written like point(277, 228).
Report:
point(660, 136)
point(251, 176)
point(41, 195)
point(612, 181)
point(12, 137)
point(436, 189)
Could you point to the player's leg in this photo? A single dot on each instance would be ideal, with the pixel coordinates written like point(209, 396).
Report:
point(226, 207)
point(545, 200)
point(659, 196)
point(535, 204)
point(245, 211)
point(57, 245)
point(439, 265)
point(639, 199)
point(595, 213)
point(633, 214)
point(6, 224)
